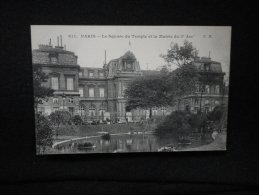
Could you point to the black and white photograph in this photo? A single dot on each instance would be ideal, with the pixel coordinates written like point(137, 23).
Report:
point(121, 89)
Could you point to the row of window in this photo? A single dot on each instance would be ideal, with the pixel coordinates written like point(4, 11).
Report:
point(91, 92)
point(91, 74)
point(55, 100)
point(196, 109)
point(207, 88)
point(55, 83)
point(92, 111)
point(196, 101)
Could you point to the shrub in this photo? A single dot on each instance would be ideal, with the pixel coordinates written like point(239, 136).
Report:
point(180, 124)
point(44, 133)
point(106, 136)
point(77, 120)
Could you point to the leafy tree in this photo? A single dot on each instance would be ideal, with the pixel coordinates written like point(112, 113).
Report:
point(44, 133)
point(150, 91)
point(167, 87)
point(177, 124)
point(77, 120)
point(219, 116)
point(180, 55)
point(41, 92)
point(57, 118)
point(43, 127)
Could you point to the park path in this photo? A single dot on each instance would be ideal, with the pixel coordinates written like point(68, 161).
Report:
point(218, 144)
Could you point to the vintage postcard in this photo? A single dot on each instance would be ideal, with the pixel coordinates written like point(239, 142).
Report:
point(114, 89)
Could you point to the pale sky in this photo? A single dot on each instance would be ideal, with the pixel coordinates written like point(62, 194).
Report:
point(90, 51)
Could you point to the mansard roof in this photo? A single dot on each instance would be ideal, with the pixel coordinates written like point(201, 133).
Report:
point(51, 49)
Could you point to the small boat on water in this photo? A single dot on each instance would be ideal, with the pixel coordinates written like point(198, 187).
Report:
point(119, 151)
point(185, 143)
point(167, 148)
point(86, 147)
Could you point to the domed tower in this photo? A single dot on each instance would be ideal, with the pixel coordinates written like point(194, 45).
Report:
point(126, 65)
point(120, 72)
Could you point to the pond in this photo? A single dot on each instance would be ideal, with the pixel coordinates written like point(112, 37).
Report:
point(126, 143)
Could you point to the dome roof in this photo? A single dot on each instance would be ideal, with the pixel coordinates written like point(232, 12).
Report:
point(129, 55)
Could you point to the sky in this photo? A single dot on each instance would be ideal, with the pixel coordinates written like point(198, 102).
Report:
point(145, 42)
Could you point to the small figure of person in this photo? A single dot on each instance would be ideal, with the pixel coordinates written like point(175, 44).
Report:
point(142, 121)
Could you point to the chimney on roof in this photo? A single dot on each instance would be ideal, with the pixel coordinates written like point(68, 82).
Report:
point(209, 54)
point(49, 42)
point(61, 40)
point(58, 41)
point(65, 47)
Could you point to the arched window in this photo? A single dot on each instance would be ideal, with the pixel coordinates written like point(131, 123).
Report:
point(81, 110)
point(163, 110)
point(101, 92)
point(101, 110)
point(154, 110)
point(147, 113)
point(92, 110)
point(81, 91)
point(55, 100)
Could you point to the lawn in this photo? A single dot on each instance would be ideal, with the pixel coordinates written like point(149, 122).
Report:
point(71, 131)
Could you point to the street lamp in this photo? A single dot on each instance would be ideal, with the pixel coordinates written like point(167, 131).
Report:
point(64, 98)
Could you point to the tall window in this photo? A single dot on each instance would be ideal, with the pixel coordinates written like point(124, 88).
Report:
point(147, 112)
point(101, 92)
point(163, 110)
point(55, 100)
point(196, 109)
point(217, 89)
point(125, 86)
point(80, 74)
point(82, 110)
point(54, 83)
point(196, 101)
point(154, 111)
point(70, 84)
point(91, 74)
point(85, 73)
point(81, 91)
point(92, 110)
point(101, 74)
point(91, 92)
point(206, 109)
point(207, 88)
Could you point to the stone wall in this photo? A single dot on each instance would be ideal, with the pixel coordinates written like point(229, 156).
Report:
point(66, 59)
point(40, 58)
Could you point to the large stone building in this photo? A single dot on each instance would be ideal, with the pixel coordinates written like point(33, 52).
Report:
point(97, 93)
point(210, 88)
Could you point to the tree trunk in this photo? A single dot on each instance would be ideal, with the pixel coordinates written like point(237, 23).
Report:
point(201, 98)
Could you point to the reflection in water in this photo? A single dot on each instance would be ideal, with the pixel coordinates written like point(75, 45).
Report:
point(125, 143)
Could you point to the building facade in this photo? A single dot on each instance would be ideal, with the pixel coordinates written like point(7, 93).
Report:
point(210, 88)
point(97, 93)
